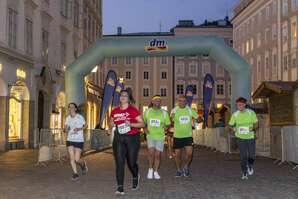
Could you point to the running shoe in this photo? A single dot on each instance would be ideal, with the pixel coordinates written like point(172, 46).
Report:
point(75, 177)
point(136, 182)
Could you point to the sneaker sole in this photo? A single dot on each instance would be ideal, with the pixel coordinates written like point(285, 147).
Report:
point(120, 193)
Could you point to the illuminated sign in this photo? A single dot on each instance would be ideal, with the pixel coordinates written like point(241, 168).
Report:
point(156, 45)
point(21, 73)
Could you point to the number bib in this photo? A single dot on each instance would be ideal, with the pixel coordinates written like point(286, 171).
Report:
point(244, 130)
point(155, 122)
point(184, 119)
point(123, 128)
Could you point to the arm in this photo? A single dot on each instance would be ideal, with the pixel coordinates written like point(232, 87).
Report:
point(138, 124)
point(111, 126)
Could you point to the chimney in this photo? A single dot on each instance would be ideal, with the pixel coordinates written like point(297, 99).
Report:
point(119, 30)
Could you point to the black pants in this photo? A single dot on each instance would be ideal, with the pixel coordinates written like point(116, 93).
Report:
point(247, 153)
point(126, 147)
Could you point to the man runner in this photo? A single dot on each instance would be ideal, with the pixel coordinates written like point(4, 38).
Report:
point(244, 123)
point(157, 121)
point(182, 117)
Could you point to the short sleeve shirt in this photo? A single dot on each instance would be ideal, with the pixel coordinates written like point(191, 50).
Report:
point(243, 122)
point(129, 114)
point(183, 121)
point(71, 123)
point(156, 121)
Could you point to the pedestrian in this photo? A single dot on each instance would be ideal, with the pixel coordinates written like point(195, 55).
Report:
point(157, 122)
point(75, 125)
point(169, 137)
point(126, 143)
point(182, 116)
point(244, 124)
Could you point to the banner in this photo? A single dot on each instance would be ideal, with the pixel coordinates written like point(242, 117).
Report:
point(207, 96)
point(108, 91)
point(116, 98)
point(189, 94)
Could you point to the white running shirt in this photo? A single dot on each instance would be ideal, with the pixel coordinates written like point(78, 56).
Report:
point(71, 123)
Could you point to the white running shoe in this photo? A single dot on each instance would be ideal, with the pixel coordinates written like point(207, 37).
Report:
point(250, 171)
point(150, 173)
point(244, 177)
point(156, 175)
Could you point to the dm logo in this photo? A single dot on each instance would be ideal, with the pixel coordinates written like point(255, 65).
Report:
point(111, 82)
point(156, 45)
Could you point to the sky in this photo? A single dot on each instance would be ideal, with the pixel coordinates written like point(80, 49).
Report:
point(156, 15)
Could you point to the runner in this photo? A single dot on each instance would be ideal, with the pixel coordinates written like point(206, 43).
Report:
point(126, 144)
point(182, 116)
point(74, 125)
point(157, 121)
point(244, 123)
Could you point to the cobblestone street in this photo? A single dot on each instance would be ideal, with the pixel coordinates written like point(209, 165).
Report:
point(214, 175)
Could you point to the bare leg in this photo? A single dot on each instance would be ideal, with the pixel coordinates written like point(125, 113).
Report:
point(156, 160)
point(189, 153)
point(151, 152)
point(72, 159)
point(178, 158)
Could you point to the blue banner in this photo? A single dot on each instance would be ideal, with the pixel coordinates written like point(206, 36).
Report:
point(208, 87)
point(189, 94)
point(108, 92)
point(116, 98)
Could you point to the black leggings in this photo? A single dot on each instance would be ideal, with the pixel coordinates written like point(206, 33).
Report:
point(126, 147)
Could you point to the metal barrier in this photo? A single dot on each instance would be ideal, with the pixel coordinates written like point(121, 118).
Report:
point(221, 140)
point(52, 143)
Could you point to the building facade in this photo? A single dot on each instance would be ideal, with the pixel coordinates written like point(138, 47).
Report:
point(265, 34)
point(191, 70)
point(146, 76)
point(38, 40)
point(169, 76)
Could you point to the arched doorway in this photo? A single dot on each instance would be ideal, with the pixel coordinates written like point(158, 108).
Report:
point(18, 129)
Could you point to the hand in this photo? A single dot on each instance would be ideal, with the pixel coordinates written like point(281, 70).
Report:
point(109, 132)
point(127, 123)
point(75, 130)
point(146, 131)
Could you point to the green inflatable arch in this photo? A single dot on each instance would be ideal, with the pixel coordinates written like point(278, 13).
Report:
point(215, 47)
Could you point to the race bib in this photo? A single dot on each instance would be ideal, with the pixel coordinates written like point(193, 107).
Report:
point(244, 130)
point(123, 128)
point(184, 119)
point(155, 122)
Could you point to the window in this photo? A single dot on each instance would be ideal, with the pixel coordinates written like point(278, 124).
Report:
point(146, 75)
point(127, 75)
point(180, 89)
point(163, 92)
point(267, 35)
point(114, 60)
point(180, 69)
point(194, 86)
point(294, 62)
point(274, 32)
point(164, 60)
point(294, 30)
point(163, 75)
point(285, 32)
point(146, 60)
point(45, 44)
point(64, 8)
point(128, 60)
point(274, 8)
point(76, 13)
point(206, 68)
point(192, 69)
point(294, 4)
point(146, 92)
point(220, 72)
point(251, 44)
point(230, 89)
point(220, 89)
point(247, 47)
point(259, 37)
point(29, 36)
point(267, 12)
point(267, 66)
point(285, 62)
point(285, 7)
point(85, 22)
point(12, 28)
point(274, 68)
point(63, 53)
point(259, 69)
